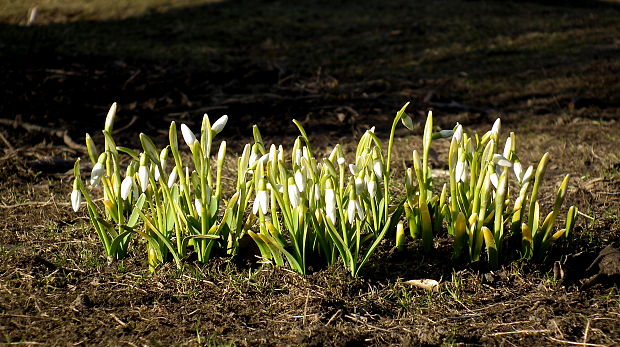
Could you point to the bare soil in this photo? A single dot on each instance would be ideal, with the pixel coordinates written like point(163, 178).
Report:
point(551, 71)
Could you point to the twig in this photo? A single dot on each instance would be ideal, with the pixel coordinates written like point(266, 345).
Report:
point(64, 134)
point(7, 143)
point(575, 343)
point(515, 332)
point(585, 334)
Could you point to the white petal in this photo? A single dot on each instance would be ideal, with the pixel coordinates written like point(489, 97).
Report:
point(508, 147)
point(300, 181)
point(188, 135)
point(372, 188)
point(351, 211)
point(459, 170)
point(496, 126)
point(494, 179)
point(198, 206)
point(96, 174)
point(219, 124)
point(143, 177)
point(172, 178)
point(330, 198)
point(126, 186)
point(109, 119)
point(501, 160)
point(76, 200)
point(518, 169)
point(528, 174)
point(360, 211)
point(378, 168)
point(340, 161)
point(293, 195)
point(458, 133)
point(354, 170)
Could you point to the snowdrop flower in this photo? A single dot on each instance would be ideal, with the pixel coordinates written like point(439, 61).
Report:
point(109, 119)
point(458, 133)
point(300, 180)
point(461, 169)
point(126, 186)
point(377, 168)
point(508, 147)
point(372, 187)
point(76, 197)
point(496, 127)
point(143, 177)
point(261, 202)
point(219, 124)
point(330, 202)
point(501, 160)
point(522, 176)
point(293, 193)
point(173, 177)
point(98, 170)
point(354, 208)
point(188, 135)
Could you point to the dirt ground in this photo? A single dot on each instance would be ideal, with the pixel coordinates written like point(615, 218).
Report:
point(551, 71)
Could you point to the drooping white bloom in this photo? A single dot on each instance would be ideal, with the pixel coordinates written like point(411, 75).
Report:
point(501, 160)
point(377, 168)
point(300, 180)
point(76, 198)
point(372, 130)
point(126, 187)
point(518, 169)
point(528, 174)
point(372, 188)
point(143, 177)
point(261, 202)
point(198, 206)
point(188, 135)
point(354, 208)
point(97, 173)
point(293, 195)
point(219, 124)
point(341, 161)
point(461, 171)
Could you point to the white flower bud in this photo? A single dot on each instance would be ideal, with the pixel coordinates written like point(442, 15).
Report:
point(126, 186)
point(219, 124)
point(188, 135)
point(143, 177)
point(76, 199)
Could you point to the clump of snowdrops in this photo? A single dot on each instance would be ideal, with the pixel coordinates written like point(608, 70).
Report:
point(302, 209)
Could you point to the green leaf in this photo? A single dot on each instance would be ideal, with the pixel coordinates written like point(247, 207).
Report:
point(135, 214)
